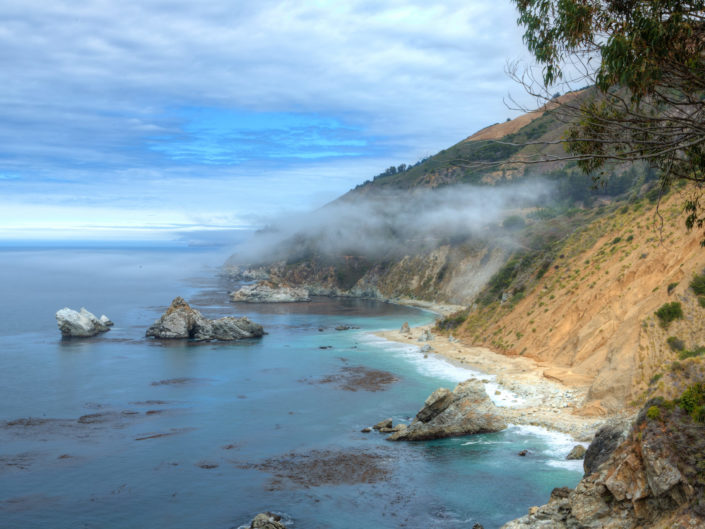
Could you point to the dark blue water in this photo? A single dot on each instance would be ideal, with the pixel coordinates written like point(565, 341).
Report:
point(251, 426)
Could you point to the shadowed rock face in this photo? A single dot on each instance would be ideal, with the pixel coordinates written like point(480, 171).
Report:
point(464, 411)
point(606, 440)
point(180, 321)
point(81, 324)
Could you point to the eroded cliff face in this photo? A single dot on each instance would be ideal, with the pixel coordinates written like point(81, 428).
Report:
point(655, 479)
point(446, 275)
point(590, 318)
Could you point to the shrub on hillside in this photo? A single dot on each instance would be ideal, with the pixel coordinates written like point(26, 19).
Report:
point(452, 321)
point(698, 351)
point(676, 344)
point(669, 312)
point(693, 401)
point(698, 284)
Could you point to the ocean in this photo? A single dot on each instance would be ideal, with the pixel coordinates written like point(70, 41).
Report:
point(120, 431)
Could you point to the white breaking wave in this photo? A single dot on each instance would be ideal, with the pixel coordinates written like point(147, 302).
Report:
point(438, 367)
point(558, 444)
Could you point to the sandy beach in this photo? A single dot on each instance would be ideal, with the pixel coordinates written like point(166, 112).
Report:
point(530, 391)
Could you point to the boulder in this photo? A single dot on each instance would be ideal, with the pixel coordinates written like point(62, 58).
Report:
point(464, 411)
point(386, 423)
point(180, 321)
point(267, 520)
point(426, 336)
point(405, 329)
point(268, 292)
point(81, 324)
point(578, 452)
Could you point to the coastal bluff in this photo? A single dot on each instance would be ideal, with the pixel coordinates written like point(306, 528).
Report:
point(181, 321)
point(649, 477)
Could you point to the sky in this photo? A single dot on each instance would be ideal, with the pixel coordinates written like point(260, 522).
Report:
point(144, 119)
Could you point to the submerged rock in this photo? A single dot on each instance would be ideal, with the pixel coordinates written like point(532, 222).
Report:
point(464, 411)
point(386, 423)
point(81, 324)
point(268, 292)
point(180, 321)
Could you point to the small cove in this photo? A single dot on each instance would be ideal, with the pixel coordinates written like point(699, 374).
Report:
point(129, 432)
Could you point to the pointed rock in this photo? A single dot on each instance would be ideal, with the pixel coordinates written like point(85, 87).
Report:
point(181, 321)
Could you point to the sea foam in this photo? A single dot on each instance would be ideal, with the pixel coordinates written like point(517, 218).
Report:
point(439, 367)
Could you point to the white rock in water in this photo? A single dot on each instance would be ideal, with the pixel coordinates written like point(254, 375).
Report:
point(268, 292)
point(81, 324)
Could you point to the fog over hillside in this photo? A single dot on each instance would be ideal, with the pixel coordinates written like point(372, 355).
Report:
point(389, 223)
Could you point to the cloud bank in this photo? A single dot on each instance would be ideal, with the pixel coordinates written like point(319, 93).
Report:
point(390, 224)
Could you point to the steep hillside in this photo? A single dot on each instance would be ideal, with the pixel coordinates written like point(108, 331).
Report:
point(586, 306)
point(572, 278)
point(458, 164)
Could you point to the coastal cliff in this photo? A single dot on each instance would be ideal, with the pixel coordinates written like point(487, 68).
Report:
point(449, 274)
point(654, 479)
point(572, 279)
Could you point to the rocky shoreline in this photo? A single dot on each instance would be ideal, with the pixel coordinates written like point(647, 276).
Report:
point(540, 400)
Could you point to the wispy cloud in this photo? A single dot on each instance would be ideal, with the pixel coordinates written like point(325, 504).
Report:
point(109, 100)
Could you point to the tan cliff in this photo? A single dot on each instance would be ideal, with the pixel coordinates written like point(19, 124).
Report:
point(590, 319)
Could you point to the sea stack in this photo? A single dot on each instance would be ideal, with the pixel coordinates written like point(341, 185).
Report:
point(465, 410)
point(180, 321)
point(81, 324)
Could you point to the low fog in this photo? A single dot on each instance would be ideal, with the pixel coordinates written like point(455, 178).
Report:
point(389, 223)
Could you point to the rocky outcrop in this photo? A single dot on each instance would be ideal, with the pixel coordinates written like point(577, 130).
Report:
point(466, 410)
point(654, 479)
point(180, 321)
point(606, 440)
point(81, 324)
point(267, 520)
point(578, 452)
point(268, 292)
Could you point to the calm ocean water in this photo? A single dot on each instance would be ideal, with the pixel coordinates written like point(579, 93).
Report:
point(128, 432)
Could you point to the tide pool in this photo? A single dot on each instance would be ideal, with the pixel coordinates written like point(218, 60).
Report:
point(128, 432)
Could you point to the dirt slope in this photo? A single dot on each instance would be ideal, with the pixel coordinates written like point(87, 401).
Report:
point(590, 319)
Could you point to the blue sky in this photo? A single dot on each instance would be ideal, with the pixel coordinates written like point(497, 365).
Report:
point(139, 119)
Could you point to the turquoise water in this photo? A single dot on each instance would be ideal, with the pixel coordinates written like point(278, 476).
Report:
point(198, 454)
